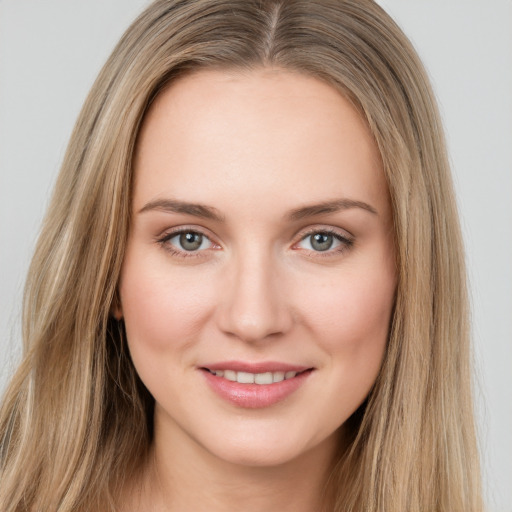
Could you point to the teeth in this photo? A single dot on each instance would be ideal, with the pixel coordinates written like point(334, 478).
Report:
point(263, 378)
point(245, 378)
point(278, 376)
point(254, 378)
point(230, 375)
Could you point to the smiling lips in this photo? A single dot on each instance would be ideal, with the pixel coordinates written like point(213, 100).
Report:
point(254, 385)
point(254, 378)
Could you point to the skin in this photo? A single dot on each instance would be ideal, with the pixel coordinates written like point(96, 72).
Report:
point(254, 147)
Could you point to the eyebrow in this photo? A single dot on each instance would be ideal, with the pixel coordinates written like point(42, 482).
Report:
point(208, 212)
point(329, 207)
point(175, 206)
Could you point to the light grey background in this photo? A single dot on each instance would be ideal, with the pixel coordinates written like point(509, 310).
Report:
point(51, 51)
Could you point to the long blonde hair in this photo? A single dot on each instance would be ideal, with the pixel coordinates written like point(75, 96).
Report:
point(76, 415)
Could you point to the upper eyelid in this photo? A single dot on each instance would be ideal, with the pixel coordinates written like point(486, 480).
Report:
point(171, 232)
point(332, 230)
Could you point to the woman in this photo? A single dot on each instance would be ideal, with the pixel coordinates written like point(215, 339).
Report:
point(249, 287)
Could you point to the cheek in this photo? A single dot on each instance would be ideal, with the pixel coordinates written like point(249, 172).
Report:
point(162, 309)
point(351, 317)
point(351, 327)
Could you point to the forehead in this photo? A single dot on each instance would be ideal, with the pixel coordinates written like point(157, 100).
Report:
point(215, 133)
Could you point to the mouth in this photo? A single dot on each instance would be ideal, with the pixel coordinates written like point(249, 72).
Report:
point(255, 386)
point(262, 379)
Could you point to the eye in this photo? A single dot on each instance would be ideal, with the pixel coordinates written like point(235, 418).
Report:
point(324, 241)
point(187, 241)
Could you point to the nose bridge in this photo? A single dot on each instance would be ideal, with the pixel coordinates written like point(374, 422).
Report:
point(254, 304)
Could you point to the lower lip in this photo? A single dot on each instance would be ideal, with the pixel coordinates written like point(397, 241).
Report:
point(255, 396)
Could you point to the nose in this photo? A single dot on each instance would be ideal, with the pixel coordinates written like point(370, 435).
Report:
point(254, 305)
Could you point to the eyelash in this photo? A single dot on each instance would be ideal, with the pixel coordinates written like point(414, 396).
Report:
point(345, 242)
point(164, 242)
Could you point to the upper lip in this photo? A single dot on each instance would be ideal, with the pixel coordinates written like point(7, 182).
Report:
point(255, 367)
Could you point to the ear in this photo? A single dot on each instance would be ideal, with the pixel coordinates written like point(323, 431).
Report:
point(116, 309)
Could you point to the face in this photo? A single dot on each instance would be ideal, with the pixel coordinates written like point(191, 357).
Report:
point(259, 277)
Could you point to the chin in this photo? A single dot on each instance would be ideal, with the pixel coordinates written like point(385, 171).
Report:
point(269, 447)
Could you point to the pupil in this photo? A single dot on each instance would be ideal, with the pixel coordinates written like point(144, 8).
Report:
point(191, 241)
point(321, 242)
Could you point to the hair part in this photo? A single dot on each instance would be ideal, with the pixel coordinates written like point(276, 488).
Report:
point(76, 415)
